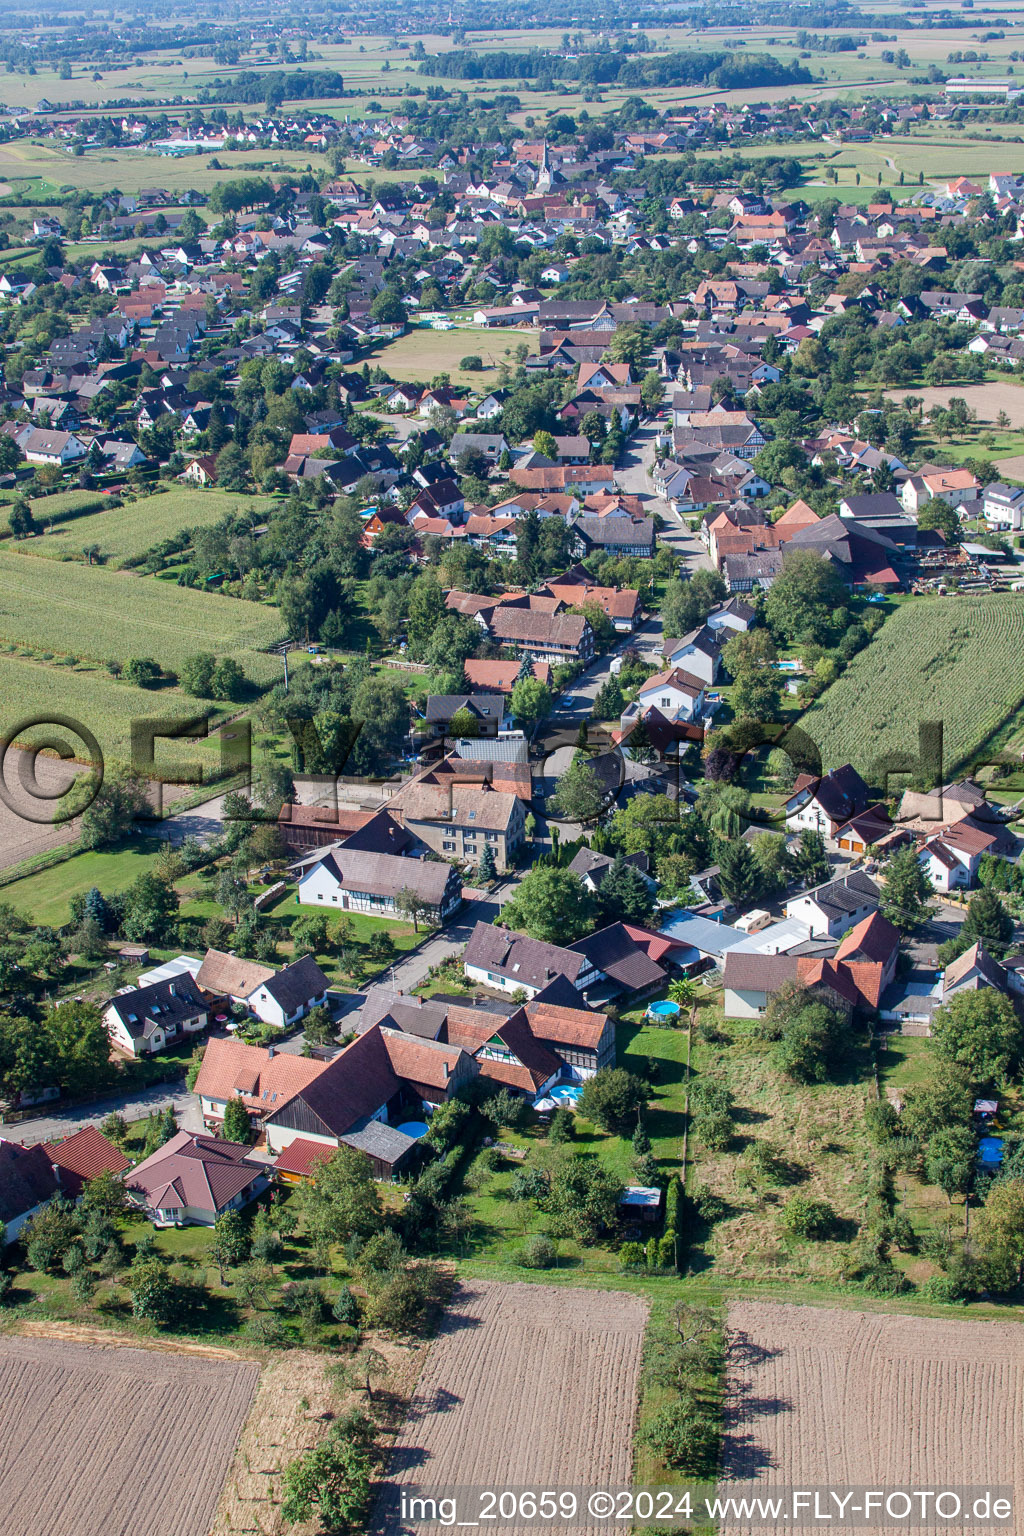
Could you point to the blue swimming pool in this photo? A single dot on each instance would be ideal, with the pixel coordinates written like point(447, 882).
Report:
point(664, 1010)
point(568, 1094)
point(414, 1128)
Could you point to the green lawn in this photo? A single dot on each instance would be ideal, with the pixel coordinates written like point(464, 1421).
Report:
point(46, 897)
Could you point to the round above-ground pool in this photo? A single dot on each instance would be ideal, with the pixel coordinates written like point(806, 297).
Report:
point(990, 1150)
point(663, 1010)
point(567, 1094)
point(414, 1128)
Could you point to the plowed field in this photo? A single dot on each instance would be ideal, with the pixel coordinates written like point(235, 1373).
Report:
point(855, 1399)
point(526, 1387)
point(115, 1442)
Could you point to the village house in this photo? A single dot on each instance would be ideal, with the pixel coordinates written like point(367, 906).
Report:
point(354, 881)
point(145, 1020)
point(192, 1180)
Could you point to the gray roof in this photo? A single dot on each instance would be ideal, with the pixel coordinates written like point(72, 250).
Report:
point(297, 984)
point(379, 1140)
point(396, 1010)
point(519, 958)
point(849, 894)
point(155, 1007)
point(385, 874)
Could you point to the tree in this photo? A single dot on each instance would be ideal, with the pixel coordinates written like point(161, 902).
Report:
point(613, 1098)
point(579, 794)
point(739, 872)
point(808, 601)
point(20, 520)
point(988, 920)
point(487, 869)
point(230, 1246)
point(79, 1047)
point(237, 1125)
point(155, 1294)
point(196, 675)
point(809, 1034)
point(905, 896)
point(810, 859)
point(999, 1237)
point(686, 1434)
point(530, 701)
point(949, 1160)
point(625, 894)
point(109, 818)
point(149, 909)
point(544, 443)
point(228, 681)
point(803, 1216)
point(583, 1198)
point(141, 671)
point(552, 905)
point(937, 513)
point(310, 934)
point(981, 1032)
point(341, 1199)
point(414, 906)
point(318, 1027)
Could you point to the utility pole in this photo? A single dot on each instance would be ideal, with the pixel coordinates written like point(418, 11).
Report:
point(286, 671)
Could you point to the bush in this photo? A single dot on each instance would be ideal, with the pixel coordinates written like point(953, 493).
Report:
point(472, 364)
point(632, 1257)
point(803, 1216)
point(686, 1435)
point(345, 1308)
point(538, 1252)
point(508, 1109)
point(944, 1288)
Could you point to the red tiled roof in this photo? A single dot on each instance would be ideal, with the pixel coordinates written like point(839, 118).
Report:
point(83, 1156)
point(302, 1157)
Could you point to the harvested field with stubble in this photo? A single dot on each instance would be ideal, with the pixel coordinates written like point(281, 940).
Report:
point(111, 1441)
point(525, 1386)
point(859, 1399)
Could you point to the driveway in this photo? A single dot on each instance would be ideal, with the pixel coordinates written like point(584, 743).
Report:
point(134, 1106)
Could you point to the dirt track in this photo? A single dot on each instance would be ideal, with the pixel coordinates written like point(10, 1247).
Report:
point(114, 1441)
point(526, 1386)
point(840, 1398)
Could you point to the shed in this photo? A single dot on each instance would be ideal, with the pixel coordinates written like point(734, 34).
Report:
point(640, 1202)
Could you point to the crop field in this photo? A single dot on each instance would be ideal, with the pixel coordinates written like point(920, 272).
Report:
point(952, 659)
point(817, 1396)
point(102, 703)
point(94, 613)
point(569, 1361)
point(130, 530)
point(986, 399)
point(118, 1440)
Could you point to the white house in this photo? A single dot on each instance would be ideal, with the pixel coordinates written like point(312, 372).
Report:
point(1003, 507)
point(734, 615)
point(287, 996)
point(676, 693)
point(958, 487)
point(41, 446)
point(144, 1020)
point(354, 881)
point(831, 909)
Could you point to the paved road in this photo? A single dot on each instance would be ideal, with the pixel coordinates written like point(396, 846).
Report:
point(134, 1106)
point(633, 476)
point(203, 821)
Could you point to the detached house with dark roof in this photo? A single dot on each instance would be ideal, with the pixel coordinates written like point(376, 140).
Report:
point(145, 1020)
point(27, 1183)
point(824, 803)
point(830, 910)
point(511, 962)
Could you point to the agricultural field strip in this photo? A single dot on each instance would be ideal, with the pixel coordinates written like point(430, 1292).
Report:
point(569, 1361)
point(843, 1398)
point(94, 612)
point(105, 706)
point(118, 1440)
point(949, 659)
point(133, 529)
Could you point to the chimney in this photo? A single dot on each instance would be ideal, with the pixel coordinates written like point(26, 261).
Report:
point(271, 1052)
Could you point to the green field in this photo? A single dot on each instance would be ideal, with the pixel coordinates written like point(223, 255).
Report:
point(97, 614)
point(130, 530)
point(105, 706)
point(952, 659)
